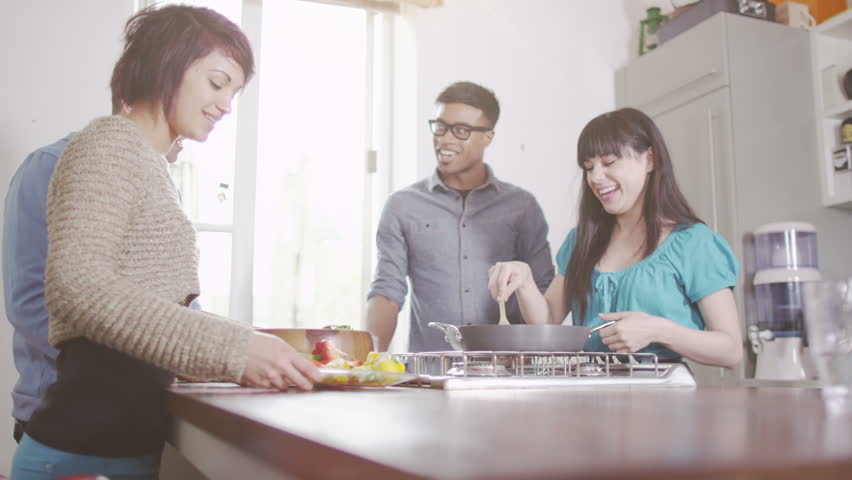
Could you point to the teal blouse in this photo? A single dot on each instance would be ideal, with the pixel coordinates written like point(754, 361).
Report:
point(691, 263)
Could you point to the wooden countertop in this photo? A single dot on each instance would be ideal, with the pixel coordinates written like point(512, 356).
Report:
point(609, 432)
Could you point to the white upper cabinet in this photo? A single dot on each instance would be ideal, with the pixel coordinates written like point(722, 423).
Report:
point(733, 99)
point(690, 65)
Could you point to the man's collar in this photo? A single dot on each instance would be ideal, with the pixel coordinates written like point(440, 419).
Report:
point(490, 180)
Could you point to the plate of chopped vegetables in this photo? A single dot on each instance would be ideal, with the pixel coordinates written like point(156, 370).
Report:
point(378, 370)
point(339, 377)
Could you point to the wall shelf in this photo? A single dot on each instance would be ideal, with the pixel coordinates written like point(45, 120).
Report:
point(831, 45)
point(838, 26)
point(838, 111)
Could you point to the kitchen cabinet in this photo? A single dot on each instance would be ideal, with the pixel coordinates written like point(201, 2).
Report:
point(831, 44)
point(572, 433)
point(698, 136)
point(734, 99)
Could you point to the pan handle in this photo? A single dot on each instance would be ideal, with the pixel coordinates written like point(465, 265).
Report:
point(603, 325)
point(451, 334)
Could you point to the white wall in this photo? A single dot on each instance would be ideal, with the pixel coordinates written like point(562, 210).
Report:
point(551, 64)
point(57, 58)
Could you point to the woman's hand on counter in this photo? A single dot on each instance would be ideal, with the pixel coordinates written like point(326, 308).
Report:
point(273, 363)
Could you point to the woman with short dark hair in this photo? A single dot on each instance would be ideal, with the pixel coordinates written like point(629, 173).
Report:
point(122, 264)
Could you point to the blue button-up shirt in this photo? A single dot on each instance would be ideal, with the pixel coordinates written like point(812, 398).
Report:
point(24, 254)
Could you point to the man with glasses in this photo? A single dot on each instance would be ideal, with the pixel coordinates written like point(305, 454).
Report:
point(444, 232)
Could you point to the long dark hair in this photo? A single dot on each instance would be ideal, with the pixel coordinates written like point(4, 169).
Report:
point(664, 204)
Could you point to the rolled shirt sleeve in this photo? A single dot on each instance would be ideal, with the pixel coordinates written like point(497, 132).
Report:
point(533, 247)
point(389, 280)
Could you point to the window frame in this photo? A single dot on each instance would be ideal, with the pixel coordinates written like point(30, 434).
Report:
point(378, 160)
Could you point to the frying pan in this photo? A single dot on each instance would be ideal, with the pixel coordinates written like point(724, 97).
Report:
point(517, 338)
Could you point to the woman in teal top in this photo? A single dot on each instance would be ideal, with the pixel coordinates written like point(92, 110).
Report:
point(639, 256)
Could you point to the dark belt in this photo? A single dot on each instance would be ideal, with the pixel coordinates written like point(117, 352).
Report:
point(18, 432)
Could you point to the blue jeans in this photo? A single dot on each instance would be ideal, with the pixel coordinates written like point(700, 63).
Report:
point(36, 461)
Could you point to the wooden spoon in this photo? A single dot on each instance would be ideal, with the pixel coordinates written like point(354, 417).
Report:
point(503, 319)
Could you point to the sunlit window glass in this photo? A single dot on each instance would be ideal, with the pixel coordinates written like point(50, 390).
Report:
point(310, 171)
point(215, 271)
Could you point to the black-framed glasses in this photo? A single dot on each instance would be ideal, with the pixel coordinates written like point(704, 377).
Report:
point(459, 130)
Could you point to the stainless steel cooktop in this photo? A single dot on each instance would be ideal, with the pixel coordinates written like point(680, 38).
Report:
point(503, 369)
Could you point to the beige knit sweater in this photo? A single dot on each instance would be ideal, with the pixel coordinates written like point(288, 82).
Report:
point(122, 259)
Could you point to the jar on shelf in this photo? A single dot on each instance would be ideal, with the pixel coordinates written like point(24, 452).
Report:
point(846, 130)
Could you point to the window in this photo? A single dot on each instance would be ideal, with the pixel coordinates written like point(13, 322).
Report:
point(285, 193)
point(311, 165)
point(204, 174)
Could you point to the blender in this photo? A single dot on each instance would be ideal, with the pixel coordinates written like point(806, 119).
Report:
point(785, 257)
